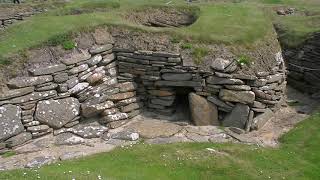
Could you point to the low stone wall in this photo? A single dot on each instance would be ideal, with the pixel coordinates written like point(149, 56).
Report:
point(111, 85)
point(304, 65)
point(7, 21)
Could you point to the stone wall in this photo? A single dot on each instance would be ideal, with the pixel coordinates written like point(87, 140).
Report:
point(304, 65)
point(6, 21)
point(112, 85)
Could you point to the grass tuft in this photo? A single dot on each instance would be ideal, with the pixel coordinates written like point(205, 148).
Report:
point(8, 154)
point(198, 54)
point(244, 60)
point(4, 61)
point(68, 45)
point(186, 46)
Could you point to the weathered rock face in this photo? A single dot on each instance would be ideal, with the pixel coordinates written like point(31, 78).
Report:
point(57, 113)
point(203, 112)
point(10, 121)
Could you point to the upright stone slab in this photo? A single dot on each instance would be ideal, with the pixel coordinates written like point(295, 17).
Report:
point(10, 121)
point(203, 112)
point(238, 116)
point(57, 113)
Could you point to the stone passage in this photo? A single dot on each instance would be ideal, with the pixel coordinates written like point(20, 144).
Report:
point(219, 96)
point(304, 65)
point(112, 85)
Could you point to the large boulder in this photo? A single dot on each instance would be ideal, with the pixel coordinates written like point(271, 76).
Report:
point(57, 113)
point(203, 112)
point(10, 121)
point(238, 116)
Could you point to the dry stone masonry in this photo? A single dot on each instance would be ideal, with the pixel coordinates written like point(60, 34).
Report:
point(304, 65)
point(113, 85)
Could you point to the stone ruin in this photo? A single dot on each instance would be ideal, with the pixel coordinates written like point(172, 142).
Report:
point(114, 85)
point(304, 66)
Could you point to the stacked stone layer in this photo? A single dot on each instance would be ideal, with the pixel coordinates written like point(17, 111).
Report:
point(113, 85)
point(304, 65)
point(235, 100)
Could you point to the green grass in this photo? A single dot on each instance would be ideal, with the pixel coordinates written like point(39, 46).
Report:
point(198, 54)
point(218, 23)
point(186, 46)
point(297, 158)
point(244, 60)
point(8, 154)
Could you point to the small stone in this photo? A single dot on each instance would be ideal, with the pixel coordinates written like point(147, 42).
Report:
point(39, 128)
point(78, 88)
point(90, 109)
point(100, 49)
point(40, 161)
point(95, 78)
point(127, 135)
point(116, 117)
point(61, 77)
point(127, 86)
point(78, 69)
point(68, 139)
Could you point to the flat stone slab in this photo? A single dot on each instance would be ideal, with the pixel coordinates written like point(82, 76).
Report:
point(152, 128)
point(10, 121)
point(40, 161)
point(48, 70)
point(178, 83)
point(16, 93)
point(68, 139)
point(21, 82)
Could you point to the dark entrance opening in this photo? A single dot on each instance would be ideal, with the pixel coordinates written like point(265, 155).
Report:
point(181, 105)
